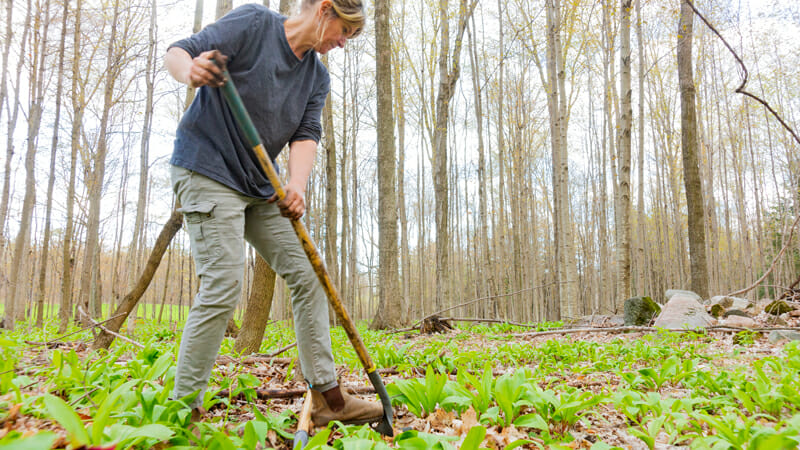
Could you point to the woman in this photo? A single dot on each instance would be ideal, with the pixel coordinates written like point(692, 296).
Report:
point(227, 199)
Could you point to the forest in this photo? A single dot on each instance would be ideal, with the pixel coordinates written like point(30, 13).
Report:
point(498, 185)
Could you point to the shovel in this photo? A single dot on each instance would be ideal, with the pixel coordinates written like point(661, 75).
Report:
point(231, 95)
point(303, 424)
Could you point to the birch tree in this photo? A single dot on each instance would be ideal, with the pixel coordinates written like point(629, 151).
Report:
point(624, 183)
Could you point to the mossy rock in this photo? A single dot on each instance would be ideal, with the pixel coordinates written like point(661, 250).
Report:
point(778, 307)
point(639, 311)
point(716, 310)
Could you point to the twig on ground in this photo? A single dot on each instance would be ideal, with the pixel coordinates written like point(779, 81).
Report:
point(98, 325)
point(774, 262)
point(464, 319)
point(75, 402)
point(488, 297)
point(53, 341)
point(280, 350)
point(716, 328)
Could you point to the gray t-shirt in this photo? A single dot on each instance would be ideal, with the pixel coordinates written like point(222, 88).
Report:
point(284, 96)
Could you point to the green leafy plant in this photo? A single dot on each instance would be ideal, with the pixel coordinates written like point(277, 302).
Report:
point(421, 397)
point(561, 410)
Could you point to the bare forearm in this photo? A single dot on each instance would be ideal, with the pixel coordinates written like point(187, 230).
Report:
point(178, 62)
point(205, 69)
point(301, 161)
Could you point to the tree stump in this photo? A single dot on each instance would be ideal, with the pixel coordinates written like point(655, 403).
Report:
point(435, 324)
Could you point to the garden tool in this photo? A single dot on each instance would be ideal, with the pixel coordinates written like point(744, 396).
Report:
point(303, 424)
point(254, 141)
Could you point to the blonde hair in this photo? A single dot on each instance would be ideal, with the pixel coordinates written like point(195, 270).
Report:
point(351, 13)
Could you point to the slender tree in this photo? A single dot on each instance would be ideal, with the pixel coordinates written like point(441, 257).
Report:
point(388, 312)
point(96, 174)
point(449, 72)
point(13, 309)
point(77, 125)
point(624, 182)
point(691, 170)
point(52, 178)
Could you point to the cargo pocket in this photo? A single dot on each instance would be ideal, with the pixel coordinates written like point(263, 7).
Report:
point(203, 232)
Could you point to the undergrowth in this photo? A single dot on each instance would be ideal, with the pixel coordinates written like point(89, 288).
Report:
point(681, 389)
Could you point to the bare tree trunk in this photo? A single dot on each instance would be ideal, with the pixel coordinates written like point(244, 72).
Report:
point(198, 23)
point(484, 269)
point(624, 185)
point(3, 94)
point(388, 312)
point(96, 175)
point(568, 301)
point(285, 6)
point(166, 284)
point(449, 71)
point(137, 241)
point(405, 258)
point(65, 307)
point(259, 305)
point(130, 301)
point(223, 7)
point(694, 188)
point(640, 282)
point(501, 162)
point(331, 200)
point(14, 309)
point(52, 178)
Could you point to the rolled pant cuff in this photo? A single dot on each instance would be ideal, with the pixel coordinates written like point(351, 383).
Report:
point(324, 387)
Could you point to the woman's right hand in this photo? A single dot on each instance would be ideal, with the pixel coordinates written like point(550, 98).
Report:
point(207, 69)
point(204, 70)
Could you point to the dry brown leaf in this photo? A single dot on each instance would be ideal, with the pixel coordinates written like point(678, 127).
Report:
point(469, 419)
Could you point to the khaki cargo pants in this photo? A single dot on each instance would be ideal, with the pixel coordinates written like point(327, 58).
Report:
point(219, 220)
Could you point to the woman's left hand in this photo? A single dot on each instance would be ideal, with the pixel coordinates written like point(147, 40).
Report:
point(293, 205)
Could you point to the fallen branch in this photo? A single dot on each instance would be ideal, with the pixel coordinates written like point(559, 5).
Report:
point(488, 297)
point(131, 299)
point(475, 319)
point(771, 266)
point(716, 328)
point(281, 350)
point(465, 319)
point(106, 330)
point(53, 341)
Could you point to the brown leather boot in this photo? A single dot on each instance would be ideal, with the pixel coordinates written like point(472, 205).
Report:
point(336, 404)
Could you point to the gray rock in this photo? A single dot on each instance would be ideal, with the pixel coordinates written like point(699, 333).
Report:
point(639, 311)
point(780, 335)
point(722, 300)
point(730, 302)
point(735, 312)
point(778, 307)
point(683, 311)
point(673, 292)
point(741, 303)
point(777, 321)
point(739, 322)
